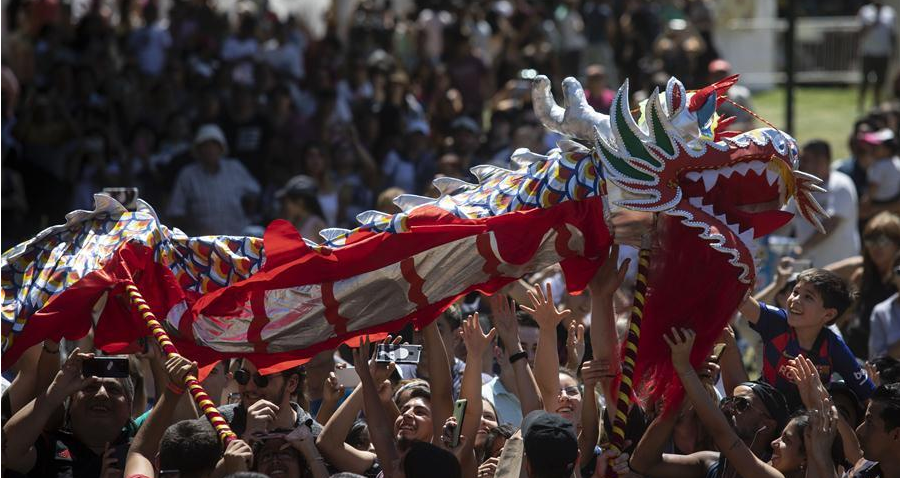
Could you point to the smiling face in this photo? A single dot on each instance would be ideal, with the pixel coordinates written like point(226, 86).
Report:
point(277, 391)
point(414, 422)
point(102, 405)
point(806, 308)
point(788, 453)
point(568, 400)
point(277, 463)
point(488, 421)
point(748, 416)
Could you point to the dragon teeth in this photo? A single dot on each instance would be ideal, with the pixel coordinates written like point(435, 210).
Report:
point(742, 168)
point(757, 166)
point(693, 175)
point(747, 236)
point(696, 202)
point(771, 176)
point(709, 179)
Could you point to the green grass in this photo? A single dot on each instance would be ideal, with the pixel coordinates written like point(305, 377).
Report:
point(819, 113)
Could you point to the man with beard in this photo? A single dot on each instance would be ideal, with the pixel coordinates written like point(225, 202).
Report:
point(98, 426)
point(266, 402)
point(879, 435)
point(757, 412)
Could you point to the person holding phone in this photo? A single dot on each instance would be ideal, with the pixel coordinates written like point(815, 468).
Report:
point(98, 427)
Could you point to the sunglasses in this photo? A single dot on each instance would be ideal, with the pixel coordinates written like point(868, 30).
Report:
point(879, 240)
point(570, 392)
point(738, 404)
point(242, 377)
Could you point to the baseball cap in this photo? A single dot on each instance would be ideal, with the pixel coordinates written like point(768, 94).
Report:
point(719, 65)
point(878, 137)
point(211, 132)
point(550, 441)
point(418, 126)
point(297, 186)
point(465, 123)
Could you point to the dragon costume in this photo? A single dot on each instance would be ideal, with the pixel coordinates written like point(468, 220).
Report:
point(714, 192)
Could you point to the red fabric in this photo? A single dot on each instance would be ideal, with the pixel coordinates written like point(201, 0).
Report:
point(518, 236)
point(690, 285)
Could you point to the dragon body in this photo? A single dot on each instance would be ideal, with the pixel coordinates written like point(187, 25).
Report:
point(715, 192)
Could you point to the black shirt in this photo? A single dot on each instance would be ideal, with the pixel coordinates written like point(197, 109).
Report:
point(61, 454)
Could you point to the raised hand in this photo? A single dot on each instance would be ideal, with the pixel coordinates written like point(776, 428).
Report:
point(177, 368)
point(873, 373)
point(681, 342)
point(361, 360)
point(238, 456)
point(610, 275)
point(260, 416)
point(488, 468)
point(504, 317)
point(612, 457)
point(447, 437)
point(110, 467)
point(476, 342)
point(802, 372)
point(575, 345)
point(69, 379)
point(543, 311)
point(333, 390)
point(599, 371)
point(709, 370)
point(819, 435)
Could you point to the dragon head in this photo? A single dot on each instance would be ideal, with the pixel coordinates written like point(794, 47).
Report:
point(675, 159)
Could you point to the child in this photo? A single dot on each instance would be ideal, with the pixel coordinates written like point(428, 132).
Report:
point(817, 300)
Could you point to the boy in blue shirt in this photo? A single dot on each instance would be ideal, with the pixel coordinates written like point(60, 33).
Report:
point(817, 300)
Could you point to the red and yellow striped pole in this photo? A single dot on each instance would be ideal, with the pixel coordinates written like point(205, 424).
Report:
point(201, 398)
point(630, 352)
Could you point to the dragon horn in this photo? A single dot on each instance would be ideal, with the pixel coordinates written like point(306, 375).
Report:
point(578, 120)
point(720, 88)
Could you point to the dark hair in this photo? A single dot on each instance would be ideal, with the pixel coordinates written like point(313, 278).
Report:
point(355, 435)
point(834, 291)
point(189, 446)
point(818, 147)
point(888, 368)
point(453, 316)
point(246, 474)
point(503, 431)
point(889, 396)
point(424, 460)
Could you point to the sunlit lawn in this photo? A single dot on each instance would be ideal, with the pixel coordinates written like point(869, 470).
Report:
point(819, 113)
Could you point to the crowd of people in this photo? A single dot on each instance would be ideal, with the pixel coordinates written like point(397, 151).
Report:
point(225, 122)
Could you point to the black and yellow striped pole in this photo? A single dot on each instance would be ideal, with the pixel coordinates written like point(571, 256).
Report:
point(630, 350)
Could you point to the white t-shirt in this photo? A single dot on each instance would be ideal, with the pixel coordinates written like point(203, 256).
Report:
point(884, 179)
point(211, 202)
point(839, 200)
point(876, 41)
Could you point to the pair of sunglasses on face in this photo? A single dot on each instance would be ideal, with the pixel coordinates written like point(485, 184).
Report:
point(243, 376)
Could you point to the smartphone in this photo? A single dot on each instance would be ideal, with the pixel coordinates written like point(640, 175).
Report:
point(126, 196)
point(459, 412)
point(402, 353)
point(347, 377)
point(114, 367)
point(717, 351)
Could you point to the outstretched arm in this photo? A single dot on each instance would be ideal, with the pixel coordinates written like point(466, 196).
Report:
point(476, 343)
point(379, 425)
point(143, 450)
point(546, 360)
point(507, 327)
point(439, 377)
point(24, 428)
point(604, 340)
point(681, 342)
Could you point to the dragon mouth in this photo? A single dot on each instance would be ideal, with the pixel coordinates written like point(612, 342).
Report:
point(740, 202)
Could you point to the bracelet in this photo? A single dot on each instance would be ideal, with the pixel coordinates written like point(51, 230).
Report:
point(517, 356)
point(52, 352)
point(174, 388)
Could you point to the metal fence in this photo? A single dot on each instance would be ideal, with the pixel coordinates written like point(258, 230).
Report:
point(826, 50)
